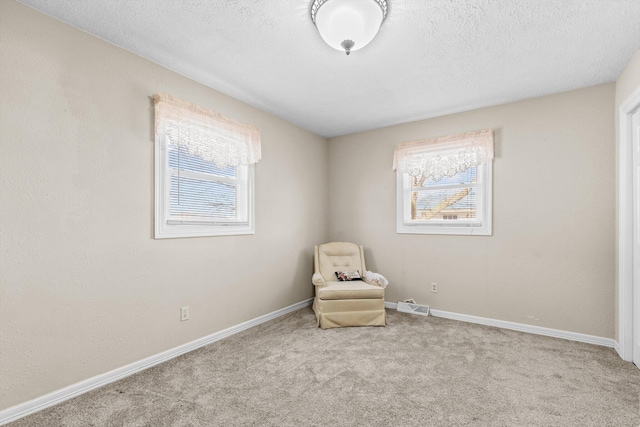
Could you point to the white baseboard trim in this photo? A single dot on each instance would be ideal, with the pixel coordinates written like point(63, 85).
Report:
point(58, 396)
point(538, 330)
point(618, 349)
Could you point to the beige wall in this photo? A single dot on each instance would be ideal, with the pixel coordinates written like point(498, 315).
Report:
point(626, 84)
point(84, 286)
point(550, 261)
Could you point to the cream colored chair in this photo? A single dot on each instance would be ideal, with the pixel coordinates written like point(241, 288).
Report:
point(345, 303)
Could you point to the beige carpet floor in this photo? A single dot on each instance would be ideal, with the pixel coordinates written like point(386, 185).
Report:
point(415, 372)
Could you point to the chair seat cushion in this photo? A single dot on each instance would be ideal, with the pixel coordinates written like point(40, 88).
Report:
point(349, 290)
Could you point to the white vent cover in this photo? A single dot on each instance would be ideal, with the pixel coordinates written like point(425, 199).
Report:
point(412, 308)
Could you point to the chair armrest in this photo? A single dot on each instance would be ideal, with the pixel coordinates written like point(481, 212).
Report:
point(372, 282)
point(318, 280)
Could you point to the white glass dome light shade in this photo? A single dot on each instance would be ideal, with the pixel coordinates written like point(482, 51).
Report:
point(339, 21)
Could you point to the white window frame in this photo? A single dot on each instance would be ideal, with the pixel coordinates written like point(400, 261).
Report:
point(481, 226)
point(165, 227)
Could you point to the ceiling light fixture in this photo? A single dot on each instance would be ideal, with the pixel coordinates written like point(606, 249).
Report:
point(348, 24)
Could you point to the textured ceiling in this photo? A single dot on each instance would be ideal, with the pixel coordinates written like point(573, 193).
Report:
point(430, 58)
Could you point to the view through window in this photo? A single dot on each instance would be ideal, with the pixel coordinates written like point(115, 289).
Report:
point(450, 199)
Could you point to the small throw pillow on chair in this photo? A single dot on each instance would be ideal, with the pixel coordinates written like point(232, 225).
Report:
point(346, 276)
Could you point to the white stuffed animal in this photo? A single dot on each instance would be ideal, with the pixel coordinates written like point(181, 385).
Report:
point(375, 279)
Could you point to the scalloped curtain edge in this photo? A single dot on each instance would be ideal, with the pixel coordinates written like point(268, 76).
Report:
point(205, 133)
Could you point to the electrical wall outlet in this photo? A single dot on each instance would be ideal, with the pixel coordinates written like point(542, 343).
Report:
point(434, 287)
point(184, 313)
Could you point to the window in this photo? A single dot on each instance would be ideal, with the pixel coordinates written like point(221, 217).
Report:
point(444, 185)
point(204, 172)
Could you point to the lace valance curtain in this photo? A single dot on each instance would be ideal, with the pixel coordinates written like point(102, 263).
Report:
point(436, 158)
point(206, 134)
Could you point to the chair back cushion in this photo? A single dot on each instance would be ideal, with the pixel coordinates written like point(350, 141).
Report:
point(339, 256)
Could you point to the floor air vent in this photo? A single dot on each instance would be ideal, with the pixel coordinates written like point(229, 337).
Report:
point(410, 306)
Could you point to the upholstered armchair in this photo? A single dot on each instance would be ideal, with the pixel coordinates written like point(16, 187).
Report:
point(345, 302)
